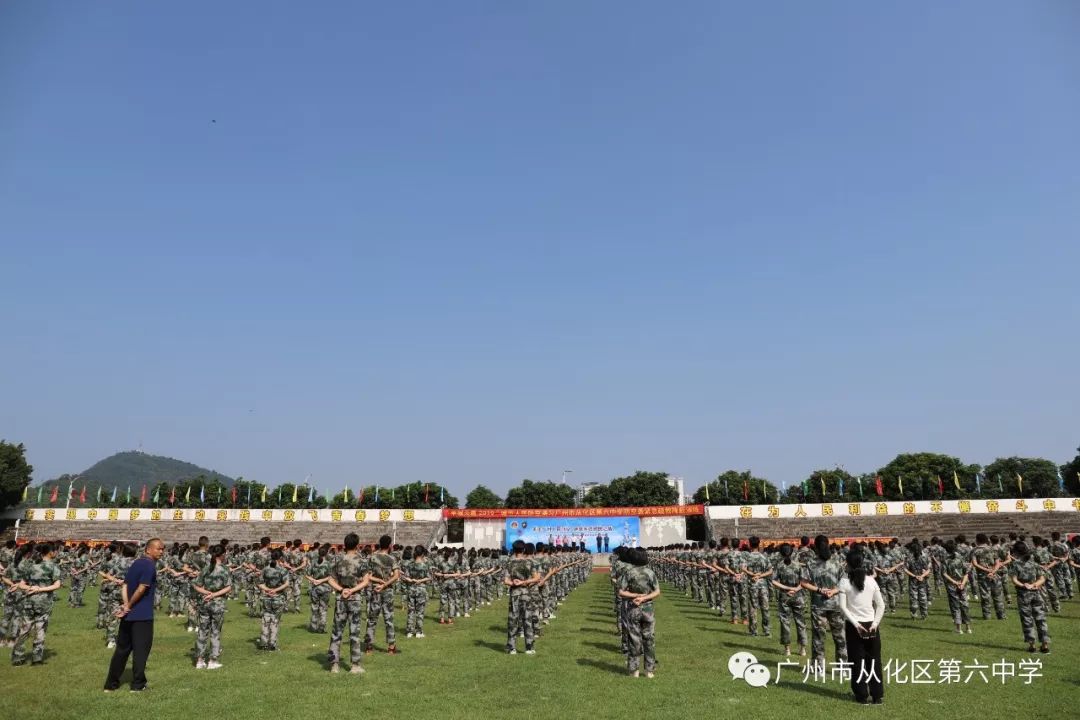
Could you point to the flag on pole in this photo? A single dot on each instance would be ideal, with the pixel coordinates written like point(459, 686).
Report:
point(840, 485)
point(202, 494)
point(172, 495)
point(860, 486)
point(978, 483)
point(55, 493)
point(311, 494)
point(26, 491)
point(392, 494)
point(294, 489)
point(706, 492)
point(142, 495)
point(376, 495)
point(82, 495)
point(361, 500)
point(1061, 482)
point(726, 493)
point(279, 495)
point(745, 491)
point(218, 494)
point(822, 480)
point(427, 487)
point(956, 481)
point(157, 493)
point(249, 495)
point(940, 486)
point(263, 498)
point(113, 497)
point(1020, 483)
point(1000, 488)
point(233, 494)
point(442, 495)
point(900, 484)
point(187, 494)
point(40, 488)
point(879, 487)
point(347, 493)
point(129, 494)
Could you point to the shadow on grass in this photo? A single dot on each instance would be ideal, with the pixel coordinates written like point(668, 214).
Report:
point(320, 659)
point(988, 646)
point(917, 626)
point(822, 690)
point(497, 647)
point(601, 665)
point(597, 630)
point(609, 647)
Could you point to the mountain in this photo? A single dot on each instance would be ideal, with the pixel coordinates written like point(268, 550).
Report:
point(134, 469)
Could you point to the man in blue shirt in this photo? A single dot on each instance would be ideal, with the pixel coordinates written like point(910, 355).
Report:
point(136, 614)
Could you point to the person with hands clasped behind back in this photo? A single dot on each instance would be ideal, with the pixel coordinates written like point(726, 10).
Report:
point(863, 607)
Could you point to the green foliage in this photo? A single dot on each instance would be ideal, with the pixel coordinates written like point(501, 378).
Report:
point(732, 487)
point(641, 488)
point(540, 495)
point(596, 497)
point(411, 495)
point(482, 497)
point(14, 473)
point(1070, 472)
point(920, 472)
point(1040, 476)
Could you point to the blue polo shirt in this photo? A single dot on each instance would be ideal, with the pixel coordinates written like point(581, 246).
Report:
point(141, 572)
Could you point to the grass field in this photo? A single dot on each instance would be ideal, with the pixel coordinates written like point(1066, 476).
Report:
point(461, 671)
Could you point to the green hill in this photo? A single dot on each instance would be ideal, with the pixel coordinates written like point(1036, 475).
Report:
point(135, 469)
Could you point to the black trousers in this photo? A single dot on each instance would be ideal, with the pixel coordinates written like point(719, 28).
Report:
point(864, 654)
point(135, 637)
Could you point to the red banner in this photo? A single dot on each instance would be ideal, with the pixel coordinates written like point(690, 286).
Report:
point(497, 513)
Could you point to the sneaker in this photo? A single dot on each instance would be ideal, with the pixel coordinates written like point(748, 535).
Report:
point(649, 675)
point(213, 665)
point(1045, 648)
point(357, 670)
point(468, 615)
point(201, 665)
point(369, 650)
point(392, 650)
point(409, 635)
point(1031, 647)
point(111, 644)
point(530, 651)
point(334, 668)
point(551, 617)
point(512, 652)
point(969, 630)
point(419, 635)
point(635, 673)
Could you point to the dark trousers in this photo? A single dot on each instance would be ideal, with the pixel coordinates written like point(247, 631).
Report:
point(134, 637)
point(864, 654)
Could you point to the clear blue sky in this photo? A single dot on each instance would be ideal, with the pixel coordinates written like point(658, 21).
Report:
point(480, 242)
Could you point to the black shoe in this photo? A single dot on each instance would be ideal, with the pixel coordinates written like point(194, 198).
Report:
point(878, 701)
point(139, 689)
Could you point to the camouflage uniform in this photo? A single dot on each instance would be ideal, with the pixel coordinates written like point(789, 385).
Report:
point(273, 576)
point(348, 572)
point(1030, 603)
point(9, 623)
point(1062, 573)
point(519, 617)
point(176, 585)
point(416, 595)
point(112, 623)
point(640, 620)
point(918, 595)
point(382, 567)
point(825, 612)
point(1048, 590)
point(989, 584)
point(196, 560)
point(756, 562)
point(210, 613)
point(35, 611)
point(81, 563)
point(319, 594)
point(958, 598)
point(792, 606)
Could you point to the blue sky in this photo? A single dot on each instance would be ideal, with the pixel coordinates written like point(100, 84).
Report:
point(481, 242)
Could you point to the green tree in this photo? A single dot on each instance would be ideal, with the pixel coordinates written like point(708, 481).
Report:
point(920, 473)
point(1070, 472)
point(596, 497)
point(1040, 477)
point(482, 497)
point(540, 495)
point(248, 494)
point(732, 487)
point(640, 489)
point(15, 473)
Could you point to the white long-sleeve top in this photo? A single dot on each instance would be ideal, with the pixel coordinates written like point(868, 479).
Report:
point(861, 607)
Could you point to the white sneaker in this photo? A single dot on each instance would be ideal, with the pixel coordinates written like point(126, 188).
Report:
point(201, 665)
point(357, 670)
point(468, 615)
point(191, 629)
point(213, 665)
point(109, 644)
point(512, 652)
point(409, 635)
point(419, 635)
point(530, 652)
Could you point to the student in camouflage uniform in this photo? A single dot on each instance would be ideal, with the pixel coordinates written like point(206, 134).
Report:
point(521, 575)
point(416, 573)
point(173, 584)
point(194, 563)
point(117, 570)
point(987, 572)
point(385, 572)
point(274, 584)
point(38, 582)
point(13, 595)
point(824, 574)
point(788, 580)
point(1059, 549)
point(318, 575)
point(258, 559)
point(1041, 555)
point(1074, 557)
point(917, 569)
point(1001, 546)
point(80, 570)
point(213, 584)
point(349, 580)
point(956, 585)
point(758, 571)
point(1028, 577)
point(638, 587)
point(739, 602)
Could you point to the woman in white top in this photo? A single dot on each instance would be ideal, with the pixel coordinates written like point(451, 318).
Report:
point(863, 607)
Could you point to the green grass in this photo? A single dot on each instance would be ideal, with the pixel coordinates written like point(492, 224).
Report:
point(462, 671)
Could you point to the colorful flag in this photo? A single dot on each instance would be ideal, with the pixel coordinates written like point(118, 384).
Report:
point(311, 494)
point(347, 493)
point(157, 494)
point(279, 495)
point(376, 495)
point(202, 494)
point(840, 486)
point(745, 491)
point(441, 495)
point(392, 494)
point(806, 488)
point(218, 494)
point(706, 492)
point(113, 498)
point(900, 484)
point(1061, 482)
point(82, 495)
point(822, 480)
point(26, 492)
point(940, 486)
point(129, 494)
point(40, 488)
point(1000, 488)
point(1020, 483)
point(726, 493)
point(879, 487)
point(233, 494)
point(361, 500)
point(172, 495)
point(263, 496)
point(187, 494)
point(860, 486)
point(249, 495)
point(294, 489)
point(978, 483)
point(55, 493)
point(142, 495)
point(426, 489)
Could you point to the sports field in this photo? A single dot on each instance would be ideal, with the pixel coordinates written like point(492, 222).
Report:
point(462, 671)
